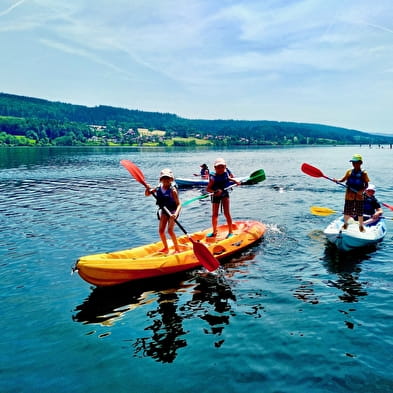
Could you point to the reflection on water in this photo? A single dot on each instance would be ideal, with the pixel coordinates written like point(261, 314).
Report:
point(347, 267)
point(166, 328)
point(216, 293)
point(59, 204)
point(305, 292)
point(106, 304)
point(211, 302)
point(168, 334)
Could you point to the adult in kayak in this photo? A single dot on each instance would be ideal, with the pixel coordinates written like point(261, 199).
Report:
point(167, 196)
point(218, 182)
point(372, 208)
point(357, 181)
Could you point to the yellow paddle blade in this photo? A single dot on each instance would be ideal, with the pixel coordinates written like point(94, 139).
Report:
point(321, 211)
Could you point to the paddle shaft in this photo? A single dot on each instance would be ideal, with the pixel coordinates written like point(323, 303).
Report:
point(341, 184)
point(315, 172)
point(168, 213)
point(258, 175)
point(242, 182)
point(202, 253)
point(325, 211)
point(138, 175)
point(205, 195)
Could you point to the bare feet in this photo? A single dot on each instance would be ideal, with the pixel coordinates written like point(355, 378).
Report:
point(361, 228)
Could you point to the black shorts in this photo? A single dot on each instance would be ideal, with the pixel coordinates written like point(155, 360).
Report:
point(218, 199)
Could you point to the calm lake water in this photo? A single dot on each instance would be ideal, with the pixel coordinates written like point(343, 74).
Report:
point(288, 315)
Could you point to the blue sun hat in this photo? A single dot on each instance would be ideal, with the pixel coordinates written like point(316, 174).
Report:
point(356, 158)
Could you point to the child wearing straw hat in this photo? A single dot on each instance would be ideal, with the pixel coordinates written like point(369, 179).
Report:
point(167, 196)
point(218, 182)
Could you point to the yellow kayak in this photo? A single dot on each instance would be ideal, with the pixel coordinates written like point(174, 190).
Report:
point(147, 261)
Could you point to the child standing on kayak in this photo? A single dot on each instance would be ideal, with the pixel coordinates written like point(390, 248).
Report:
point(218, 182)
point(167, 199)
point(357, 181)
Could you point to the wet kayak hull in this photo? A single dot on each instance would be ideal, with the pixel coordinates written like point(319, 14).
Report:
point(351, 238)
point(147, 261)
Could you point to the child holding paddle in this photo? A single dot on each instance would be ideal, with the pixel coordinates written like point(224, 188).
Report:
point(218, 182)
point(168, 201)
point(357, 181)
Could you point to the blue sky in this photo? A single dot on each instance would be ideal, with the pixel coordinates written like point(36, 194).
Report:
point(313, 61)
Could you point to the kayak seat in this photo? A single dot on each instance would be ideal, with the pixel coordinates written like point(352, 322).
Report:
point(217, 250)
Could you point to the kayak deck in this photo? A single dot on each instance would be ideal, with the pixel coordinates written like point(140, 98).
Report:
point(147, 261)
point(351, 238)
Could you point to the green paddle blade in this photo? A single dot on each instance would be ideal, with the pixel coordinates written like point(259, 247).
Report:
point(255, 177)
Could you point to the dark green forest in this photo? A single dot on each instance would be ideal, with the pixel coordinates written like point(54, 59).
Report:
point(29, 121)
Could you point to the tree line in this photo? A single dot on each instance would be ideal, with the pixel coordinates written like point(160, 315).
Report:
point(34, 121)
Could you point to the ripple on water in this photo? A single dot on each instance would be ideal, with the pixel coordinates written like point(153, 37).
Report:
point(290, 314)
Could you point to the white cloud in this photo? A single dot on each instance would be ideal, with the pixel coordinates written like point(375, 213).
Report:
point(11, 7)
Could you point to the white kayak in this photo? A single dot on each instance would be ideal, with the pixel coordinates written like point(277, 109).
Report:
point(351, 238)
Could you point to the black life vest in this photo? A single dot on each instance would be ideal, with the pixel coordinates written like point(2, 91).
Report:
point(165, 198)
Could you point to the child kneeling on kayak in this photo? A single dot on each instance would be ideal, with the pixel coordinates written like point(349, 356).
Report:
point(372, 208)
point(168, 201)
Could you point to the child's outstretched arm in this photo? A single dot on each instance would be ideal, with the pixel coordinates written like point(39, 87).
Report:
point(149, 190)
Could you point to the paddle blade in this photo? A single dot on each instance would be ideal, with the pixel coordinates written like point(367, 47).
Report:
point(321, 211)
point(390, 207)
point(255, 177)
point(311, 170)
point(205, 257)
point(135, 172)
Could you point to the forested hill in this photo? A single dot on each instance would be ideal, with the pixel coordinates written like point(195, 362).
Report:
point(46, 122)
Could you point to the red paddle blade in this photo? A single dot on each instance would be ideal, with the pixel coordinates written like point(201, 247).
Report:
point(311, 170)
point(134, 171)
point(204, 256)
point(390, 207)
